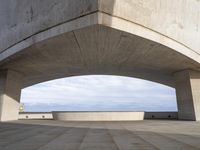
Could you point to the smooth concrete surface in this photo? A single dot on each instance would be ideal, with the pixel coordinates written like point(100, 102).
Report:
point(97, 116)
point(35, 115)
point(10, 90)
point(188, 94)
point(137, 135)
point(178, 19)
point(151, 40)
point(22, 19)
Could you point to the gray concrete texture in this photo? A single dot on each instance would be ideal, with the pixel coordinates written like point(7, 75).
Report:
point(140, 135)
point(48, 40)
point(148, 39)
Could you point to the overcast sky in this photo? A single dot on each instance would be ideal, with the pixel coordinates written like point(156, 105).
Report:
point(100, 93)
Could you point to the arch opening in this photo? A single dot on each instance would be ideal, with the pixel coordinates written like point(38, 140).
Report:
point(99, 93)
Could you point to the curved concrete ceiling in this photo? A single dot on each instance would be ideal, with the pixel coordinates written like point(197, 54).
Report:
point(101, 37)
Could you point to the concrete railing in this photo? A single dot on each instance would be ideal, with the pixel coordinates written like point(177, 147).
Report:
point(161, 115)
point(98, 116)
point(35, 115)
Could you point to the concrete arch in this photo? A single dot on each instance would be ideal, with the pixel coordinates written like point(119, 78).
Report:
point(141, 36)
point(87, 51)
point(178, 22)
point(82, 37)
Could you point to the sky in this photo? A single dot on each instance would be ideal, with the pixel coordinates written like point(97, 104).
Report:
point(99, 93)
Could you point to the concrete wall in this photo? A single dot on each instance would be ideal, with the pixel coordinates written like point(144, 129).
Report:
point(98, 116)
point(21, 19)
point(35, 115)
point(161, 115)
point(177, 19)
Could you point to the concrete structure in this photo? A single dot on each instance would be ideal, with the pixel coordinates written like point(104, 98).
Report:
point(161, 115)
point(156, 40)
point(98, 116)
point(10, 89)
point(136, 135)
point(35, 115)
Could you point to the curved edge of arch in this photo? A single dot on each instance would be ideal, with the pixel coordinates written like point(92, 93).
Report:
point(108, 20)
point(72, 25)
point(147, 33)
point(154, 77)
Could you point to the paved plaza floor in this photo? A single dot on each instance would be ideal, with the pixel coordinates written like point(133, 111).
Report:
point(137, 135)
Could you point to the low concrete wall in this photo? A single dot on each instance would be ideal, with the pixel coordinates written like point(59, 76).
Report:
point(98, 116)
point(35, 115)
point(161, 115)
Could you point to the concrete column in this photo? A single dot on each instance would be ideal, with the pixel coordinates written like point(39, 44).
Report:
point(188, 94)
point(10, 91)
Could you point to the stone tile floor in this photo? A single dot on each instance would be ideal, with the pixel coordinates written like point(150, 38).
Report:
point(137, 135)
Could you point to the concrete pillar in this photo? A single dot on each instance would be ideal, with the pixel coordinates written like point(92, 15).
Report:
point(10, 91)
point(188, 94)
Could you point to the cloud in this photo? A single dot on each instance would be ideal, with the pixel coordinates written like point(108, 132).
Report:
point(99, 93)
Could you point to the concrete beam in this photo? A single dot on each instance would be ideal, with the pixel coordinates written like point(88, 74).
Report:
point(10, 90)
point(188, 94)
